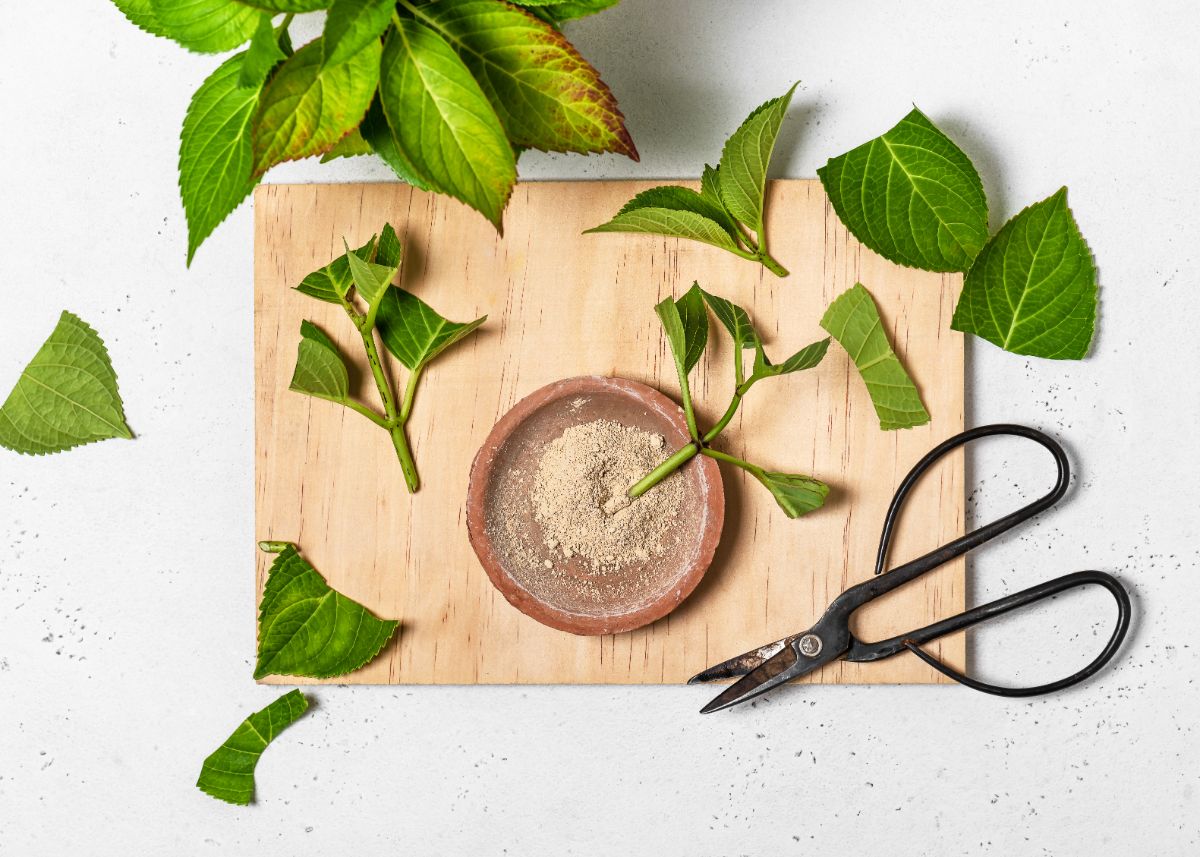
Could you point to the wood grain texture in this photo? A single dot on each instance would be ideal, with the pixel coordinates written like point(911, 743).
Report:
point(563, 304)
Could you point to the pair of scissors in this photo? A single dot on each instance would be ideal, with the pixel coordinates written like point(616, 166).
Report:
point(830, 639)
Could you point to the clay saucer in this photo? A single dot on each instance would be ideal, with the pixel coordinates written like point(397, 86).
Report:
point(643, 592)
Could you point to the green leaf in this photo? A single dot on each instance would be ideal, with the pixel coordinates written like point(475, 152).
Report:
point(370, 279)
point(670, 222)
point(710, 189)
point(320, 368)
point(414, 332)
point(386, 143)
point(352, 25)
point(141, 14)
point(206, 26)
point(289, 5)
point(558, 11)
point(853, 320)
point(228, 773)
point(307, 629)
point(388, 253)
point(215, 157)
point(264, 54)
point(686, 324)
point(806, 358)
point(66, 397)
point(735, 320)
point(1032, 290)
point(682, 199)
point(912, 196)
point(458, 147)
point(350, 146)
point(547, 96)
point(332, 283)
point(306, 109)
point(744, 160)
point(796, 495)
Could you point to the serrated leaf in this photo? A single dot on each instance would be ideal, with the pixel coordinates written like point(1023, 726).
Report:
point(912, 196)
point(332, 282)
point(320, 368)
point(745, 158)
point(206, 26)
point(669, 222)
point(289, 5)
point(853, 320)
point(547, 96)
point(350, 146)
point(1032, 289)
point(353, 24)
point(686, 324)
point(215, 156)
point(414, 332)
point(67, 396)
point(388, 252)
point(734, 319)
point(263, 54)
point(381, 137)
point(305, 628)
point(678, 198)
point(710, 189)
point(141, 14)
point(559, 11)
point(228, 772)
point(306, 109)
point(797, 495)
point(459, 147)
point(370, 279)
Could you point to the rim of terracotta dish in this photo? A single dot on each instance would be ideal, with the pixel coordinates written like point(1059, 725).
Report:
point(713, 504)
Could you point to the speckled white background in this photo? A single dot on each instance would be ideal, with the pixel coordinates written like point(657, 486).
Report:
point(126, 602)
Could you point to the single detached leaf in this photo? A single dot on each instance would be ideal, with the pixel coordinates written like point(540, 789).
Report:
point(332, 283)
point(1032, 290)
point(307, 109)
point(264, 54)
point(796, 495)
point(458, 147)
point(547, 96)
point(215, 157)
point(734, 319)
point(305, 628)
point(141, 14)
point(414, 332)
point(912, 196)
point(352, 25)
point(382, 138)
point(206, 26)
point(686, 324)
point(349, 146)
point(67, 396)
point(744, 160)
point(320, 368)
point(853, 320)
point(670, 222)
point(228, 773)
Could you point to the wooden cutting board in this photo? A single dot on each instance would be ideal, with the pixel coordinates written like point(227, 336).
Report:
point(562, 304)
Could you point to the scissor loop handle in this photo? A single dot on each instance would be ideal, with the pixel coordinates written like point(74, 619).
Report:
point(1050, 588)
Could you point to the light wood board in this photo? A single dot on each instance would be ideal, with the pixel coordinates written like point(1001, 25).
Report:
point(562, 304)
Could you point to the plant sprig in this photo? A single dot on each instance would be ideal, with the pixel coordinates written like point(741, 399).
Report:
point(408, 327)
point(686, 324)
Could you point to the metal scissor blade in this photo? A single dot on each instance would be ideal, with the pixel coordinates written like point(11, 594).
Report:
point(742, 664)
point(771, 673)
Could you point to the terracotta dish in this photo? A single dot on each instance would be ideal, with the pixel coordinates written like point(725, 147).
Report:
point(515, 445)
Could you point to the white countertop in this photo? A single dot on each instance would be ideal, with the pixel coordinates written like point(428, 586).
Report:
point(126, 600)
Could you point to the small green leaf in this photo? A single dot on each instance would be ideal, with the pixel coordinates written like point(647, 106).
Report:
point(735, 320)
point(806, 358)
point(388, 253)
point(141, 14)
point(228, 773)
point(306, 109)
point(853, 320)
point(305, 628)
point(289, 5)
point(1032, 290)
point(682, 199)
point(796, 495)
point(547, 96)
point(670, 222)
point(381, 137)
point(710, 189)
point(66, 397)
point(458, 147)
point(352, 25)
point(414, 332)
point(370, 279)
point(320, 368)
point(264, 54)
point(332, 283)
point(215, 156)
point(350, 146)
point(206, 26)
point(744, 160)
point(686, 324)
point(912, 196)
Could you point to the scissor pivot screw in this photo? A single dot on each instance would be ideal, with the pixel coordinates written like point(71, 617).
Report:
point(810, 645)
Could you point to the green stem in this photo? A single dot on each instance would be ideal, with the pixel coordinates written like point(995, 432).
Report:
point(404, 453)
point(274, 547)
point(729, 459)
point(394, 424)
point(658, 474)
point(410, 390)
point(366, 412)
point(738, 392)
point(768, 262)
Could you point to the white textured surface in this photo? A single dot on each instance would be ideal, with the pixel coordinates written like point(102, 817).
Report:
point(126, 629)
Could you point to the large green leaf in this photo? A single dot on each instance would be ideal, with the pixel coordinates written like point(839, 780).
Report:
point(320, 368)
point(457, 145)
point(207, 26)
point(547, 96)
point(305, 628)
point(385, 142)
point(350, 146)
point(796, 494)
point(912, 196)
point(228, 773)
point(853, 320)
point(414, 332)
point(352, 25)
point(744, 160)
point(306, 109)
point(141, 14)
point(265, 52)
point(67, 396)
point(686, 324)
point(215, 156)
point(1032, 290)
point(670, 222)
point(332, 282)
